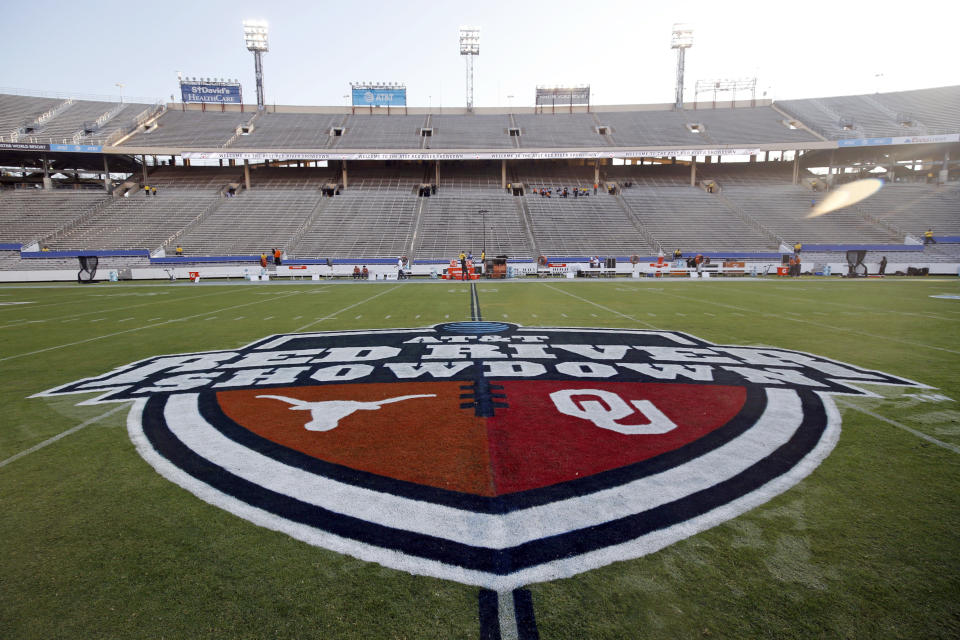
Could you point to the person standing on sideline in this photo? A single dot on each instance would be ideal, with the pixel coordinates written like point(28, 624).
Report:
point(263, 260)
point(797, 248)
point(400, 274)
point(463, 265)
point(883, 265)
point(277, 257)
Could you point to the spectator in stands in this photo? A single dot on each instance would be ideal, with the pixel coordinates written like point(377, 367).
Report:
point(883, 265)
point(146, 190)
point(154, 190)
point(364, 273)
point(595, 185)
point(356, 272)
point(263, 260)
point(45, 249)
point(928, 237)
point(179, 251)
point(677, 254)
point(277, 257)
point(797, 248)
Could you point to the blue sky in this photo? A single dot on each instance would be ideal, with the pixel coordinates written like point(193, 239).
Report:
point(621, 48)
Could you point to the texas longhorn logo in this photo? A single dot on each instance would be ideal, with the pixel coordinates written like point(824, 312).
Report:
point(482, 452)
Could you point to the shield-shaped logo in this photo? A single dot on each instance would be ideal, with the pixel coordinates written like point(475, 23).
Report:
point(487, 453)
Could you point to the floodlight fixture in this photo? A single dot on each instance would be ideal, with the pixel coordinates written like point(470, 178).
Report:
point(469, 41)
point(255, 37)
point(681, 40)
point(682, 37)
point(469, 47)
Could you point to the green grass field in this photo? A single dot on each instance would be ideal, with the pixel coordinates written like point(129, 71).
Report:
point(96, 544)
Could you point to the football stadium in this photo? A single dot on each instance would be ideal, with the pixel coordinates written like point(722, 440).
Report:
point(565, 370)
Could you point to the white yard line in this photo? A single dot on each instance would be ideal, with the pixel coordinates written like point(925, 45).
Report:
point(334, 314)
point(146, 326)
point(868, 309)
point(919, 434)
point(810, 322)
point(600, 306)
point(19, 323)
point(50, 441)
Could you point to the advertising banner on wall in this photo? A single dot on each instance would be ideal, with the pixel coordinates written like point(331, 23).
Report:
point(549, 96)
point(379, 97)
point(208, 91)
point(881, 142)
point(495, 155)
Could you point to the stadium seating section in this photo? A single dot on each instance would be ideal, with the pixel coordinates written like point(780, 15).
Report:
point(379, 210)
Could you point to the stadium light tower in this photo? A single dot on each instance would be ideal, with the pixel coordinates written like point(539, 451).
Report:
point(681, 41)
point(255, 37)
point(470, 47)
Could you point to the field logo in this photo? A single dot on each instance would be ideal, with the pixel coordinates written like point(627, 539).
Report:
point(483, 452)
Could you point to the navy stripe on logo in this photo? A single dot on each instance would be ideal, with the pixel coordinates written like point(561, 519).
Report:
point(492, 561)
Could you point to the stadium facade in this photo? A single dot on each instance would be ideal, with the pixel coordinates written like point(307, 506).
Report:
point(336, 186)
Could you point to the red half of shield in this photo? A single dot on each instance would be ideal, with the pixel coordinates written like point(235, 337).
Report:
point(426, 433)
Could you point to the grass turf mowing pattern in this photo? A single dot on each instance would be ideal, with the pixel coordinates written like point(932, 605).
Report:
point(97, 544)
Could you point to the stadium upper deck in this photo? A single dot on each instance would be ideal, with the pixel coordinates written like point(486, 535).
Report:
point(794, 124)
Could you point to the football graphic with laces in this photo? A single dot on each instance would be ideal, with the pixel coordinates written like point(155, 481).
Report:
point(487, 453)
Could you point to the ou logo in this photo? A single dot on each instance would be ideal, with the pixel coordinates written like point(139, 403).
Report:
point(605, 409)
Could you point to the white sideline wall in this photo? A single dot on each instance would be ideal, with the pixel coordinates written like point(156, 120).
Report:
point(390, 271)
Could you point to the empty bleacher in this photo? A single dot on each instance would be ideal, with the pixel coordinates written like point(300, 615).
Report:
point(914, 208)
point(664, 175)
point(747, 173)
point(783, 210)
point(904, 113)
point(637, 128)
point(559, 130)
point(753, 125)
point(592, 225)
point(360, 224)
point(470, 132)
point(542, 175)
point(380, 132)
point(938, 110)
point(690, 219)
point(251, 223)
point(72, 120)
point(189, 129)
point(30, 214)
point(211, 179)
point(389, 177)
point(307, 178)
point(451, 222)
point(290, 131)
point(17, 111)
point(480, 174)
point(135, 222)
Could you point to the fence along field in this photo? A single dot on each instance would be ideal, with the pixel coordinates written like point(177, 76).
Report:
point(99, 544)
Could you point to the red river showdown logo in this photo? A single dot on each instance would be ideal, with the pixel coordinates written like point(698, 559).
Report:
point(483, 452)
